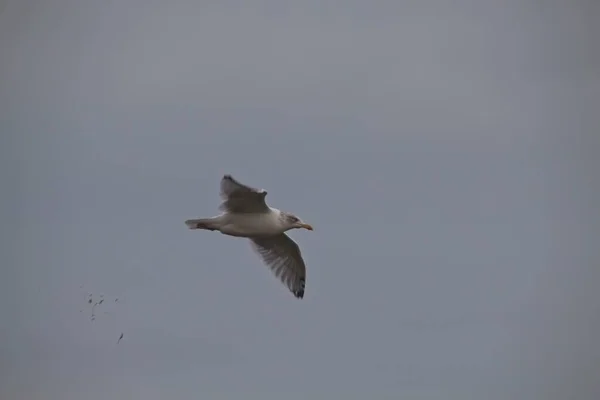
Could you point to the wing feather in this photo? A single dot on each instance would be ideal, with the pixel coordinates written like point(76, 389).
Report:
point(282, 255)
point(240, 198)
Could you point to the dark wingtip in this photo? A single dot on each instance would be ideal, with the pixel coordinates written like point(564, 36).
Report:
point(300, 293)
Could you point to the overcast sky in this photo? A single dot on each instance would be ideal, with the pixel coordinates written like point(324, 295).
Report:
point(445, 152)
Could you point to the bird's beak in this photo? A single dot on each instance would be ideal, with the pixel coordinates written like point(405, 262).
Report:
point(307, 226)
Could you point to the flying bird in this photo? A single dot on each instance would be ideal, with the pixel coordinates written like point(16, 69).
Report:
point(246, 214)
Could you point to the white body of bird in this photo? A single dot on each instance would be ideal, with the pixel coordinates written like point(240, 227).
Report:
point(243, 225)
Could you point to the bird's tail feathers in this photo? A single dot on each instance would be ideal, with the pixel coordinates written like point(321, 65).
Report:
point(201, 223)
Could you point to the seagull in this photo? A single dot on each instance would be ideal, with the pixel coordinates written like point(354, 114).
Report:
point(246, 214)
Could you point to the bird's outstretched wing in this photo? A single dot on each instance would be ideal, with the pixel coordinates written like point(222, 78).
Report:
point(239, 198)
point(282, 255)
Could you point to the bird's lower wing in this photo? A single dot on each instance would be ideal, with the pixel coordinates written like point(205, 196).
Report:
point(282, 255)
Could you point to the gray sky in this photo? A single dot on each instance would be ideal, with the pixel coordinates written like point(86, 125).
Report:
point(445, 154)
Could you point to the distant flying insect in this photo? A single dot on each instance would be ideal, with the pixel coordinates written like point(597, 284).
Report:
point(120, 337)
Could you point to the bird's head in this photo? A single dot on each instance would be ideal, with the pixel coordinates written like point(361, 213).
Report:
point(294, 222)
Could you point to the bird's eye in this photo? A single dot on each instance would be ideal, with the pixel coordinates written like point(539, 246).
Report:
point(293, 219)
